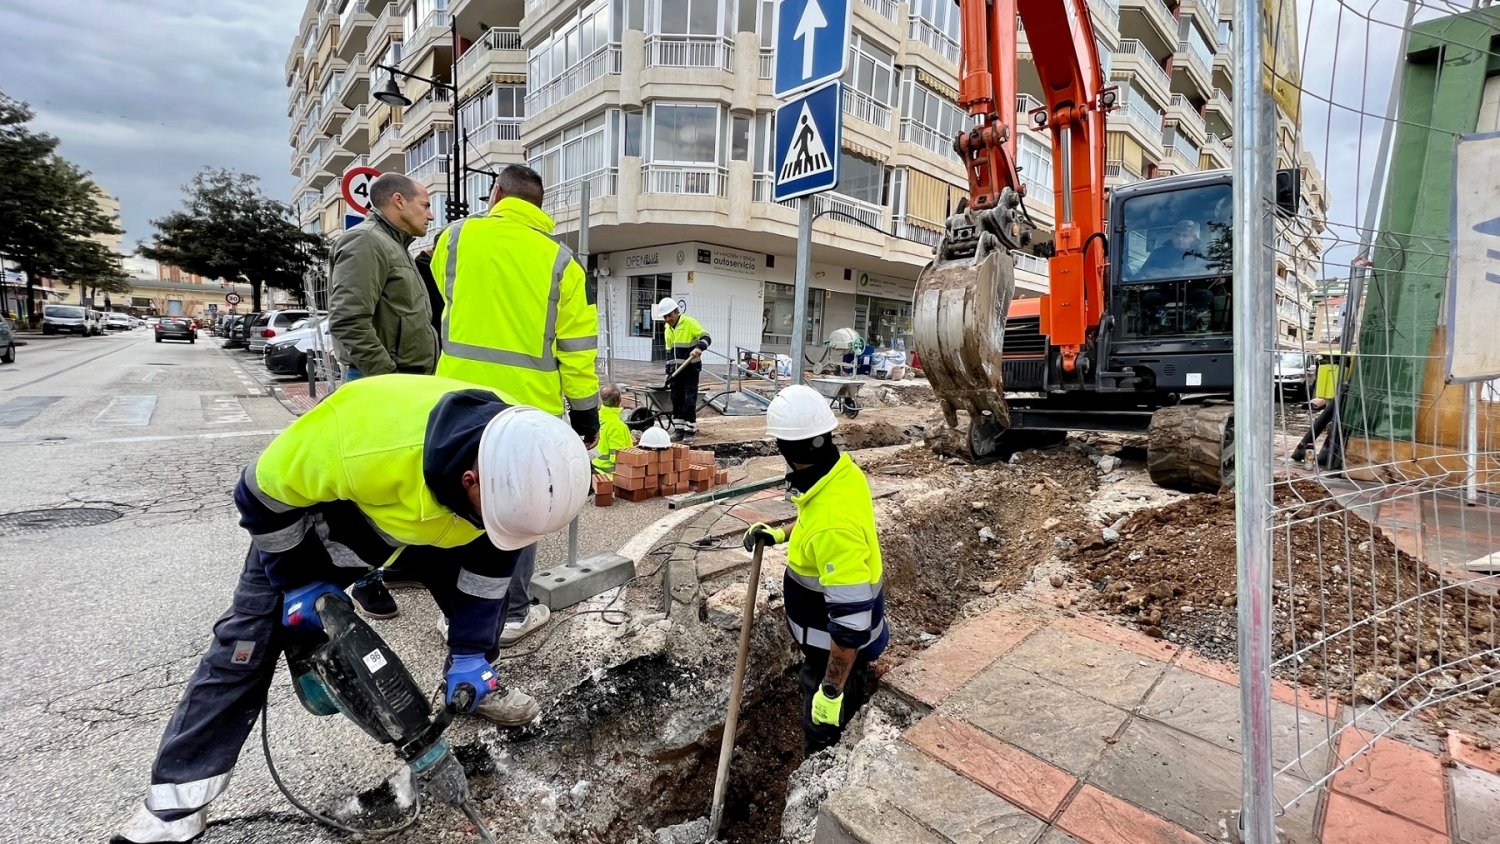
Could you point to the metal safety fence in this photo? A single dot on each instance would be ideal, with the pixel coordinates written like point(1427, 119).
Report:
point(1368, 499)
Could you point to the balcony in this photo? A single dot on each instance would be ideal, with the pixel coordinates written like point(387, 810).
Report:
point(1116, 173)
point(432, 27)
point(429, 105)
point(1027, 262)
point(429, 169)
point(603, 61)
point(385, 153)
point(1148, 19)
point(333, 119)
point(1181, 110)
point(356, 134)
point(689, 51)
point(1133, 58)
point(1207, 12)
point(918, 133)
point(767, 64)
point(498, 45)
point(354, 27)
point(918, 29)
point(842, 208)
point(887, 9)
point(1224, 68)
point(1191, 58)
point(1217, 151)
point(567, 194)
point(690, 181)
point(1105, 15)
point(498, 129)
point(1179, 155)
point(863, 106)
point(1135, 114)
point(356, 90)
point(1218, 113)
point(910, 227)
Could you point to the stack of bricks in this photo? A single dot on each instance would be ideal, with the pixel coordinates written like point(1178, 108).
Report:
point(642, 473)
point(604, 491)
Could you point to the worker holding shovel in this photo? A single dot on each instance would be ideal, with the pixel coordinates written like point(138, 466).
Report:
point(686, 341)
point(835, 604)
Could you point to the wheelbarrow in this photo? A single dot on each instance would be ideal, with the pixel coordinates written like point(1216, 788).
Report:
point(653, 404)
point(840, 393)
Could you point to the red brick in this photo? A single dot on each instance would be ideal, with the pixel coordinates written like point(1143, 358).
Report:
point(1350, 821)
point(1461, 748)
point(604, 500)
point(1098, 817)
point(1009, 771)
point(603, 485)
point(632, 457)
point(1395, 778)
point(960, 655)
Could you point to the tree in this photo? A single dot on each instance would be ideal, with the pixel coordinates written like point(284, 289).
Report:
point(47, 202)
point(94, 269)
point(228, 229)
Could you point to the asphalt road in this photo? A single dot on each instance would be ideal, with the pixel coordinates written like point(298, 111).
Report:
point(101, 625)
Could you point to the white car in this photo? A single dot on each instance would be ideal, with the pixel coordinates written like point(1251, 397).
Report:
point(271, 324)
point(288, 353)
point(118, 322)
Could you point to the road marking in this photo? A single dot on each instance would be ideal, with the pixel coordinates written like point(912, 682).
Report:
point(215, 435)
point(131, 411)
point(151, 375)
point(58, 372)
point(22, 409)
point(223, 410)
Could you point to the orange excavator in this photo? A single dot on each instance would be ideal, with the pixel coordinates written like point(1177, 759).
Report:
point(1133, 333)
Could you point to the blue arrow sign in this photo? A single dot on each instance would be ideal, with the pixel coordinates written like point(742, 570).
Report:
point(808, 131)
point(352, 220)
point(812, 43)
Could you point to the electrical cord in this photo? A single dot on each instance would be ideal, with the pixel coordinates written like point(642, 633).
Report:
point(265, 744)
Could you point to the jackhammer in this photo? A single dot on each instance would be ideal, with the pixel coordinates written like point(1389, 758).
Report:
point(356, 673)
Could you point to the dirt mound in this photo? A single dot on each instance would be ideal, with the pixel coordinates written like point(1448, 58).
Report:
point(854, 435)
point(1354, 604)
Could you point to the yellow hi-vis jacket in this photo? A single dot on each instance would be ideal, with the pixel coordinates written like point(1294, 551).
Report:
point(613, 436)
point(682, 337)
point(516, 316)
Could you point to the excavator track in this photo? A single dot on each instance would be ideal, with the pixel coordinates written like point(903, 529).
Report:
point(1190, 447)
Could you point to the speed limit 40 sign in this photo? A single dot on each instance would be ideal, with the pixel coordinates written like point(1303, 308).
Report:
point(356, 189)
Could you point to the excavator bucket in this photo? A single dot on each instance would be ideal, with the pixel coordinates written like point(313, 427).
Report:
point(961, 305)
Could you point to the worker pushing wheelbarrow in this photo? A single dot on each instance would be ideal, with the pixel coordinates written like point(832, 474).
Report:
point(657, 404)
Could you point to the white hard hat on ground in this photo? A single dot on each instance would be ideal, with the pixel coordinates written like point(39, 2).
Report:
point(799, 413)
point(533, 476)
point(656, 438)
point(664, 307)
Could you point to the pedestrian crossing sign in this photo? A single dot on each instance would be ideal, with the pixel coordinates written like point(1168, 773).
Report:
point(808, 133)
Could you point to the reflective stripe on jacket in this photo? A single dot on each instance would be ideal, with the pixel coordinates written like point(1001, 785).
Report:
point(833, 585)
point(516, 316)
point(684, 336)
point(613, 436)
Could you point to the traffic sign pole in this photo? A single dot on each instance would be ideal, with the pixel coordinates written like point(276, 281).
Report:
point(804, 270)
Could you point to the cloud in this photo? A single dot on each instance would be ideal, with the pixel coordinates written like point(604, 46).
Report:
point(145, 93)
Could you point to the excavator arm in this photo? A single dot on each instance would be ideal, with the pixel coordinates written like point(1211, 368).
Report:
point(964, 296)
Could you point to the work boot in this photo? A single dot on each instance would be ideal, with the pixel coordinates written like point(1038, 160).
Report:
point(508, 708)
point(373, 600)
point(514, 631)
point(1299, 455)
point(146, 828)
point(397, 577)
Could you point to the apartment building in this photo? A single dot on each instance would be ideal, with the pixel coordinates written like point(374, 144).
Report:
point(664, 109)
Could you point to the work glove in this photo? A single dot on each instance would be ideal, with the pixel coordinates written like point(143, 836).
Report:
point(764, 532)
point(827, 709)
point(474, 671)
point(299, 607)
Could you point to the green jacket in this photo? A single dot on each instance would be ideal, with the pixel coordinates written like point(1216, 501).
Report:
point(379, 314)
point(613, 436)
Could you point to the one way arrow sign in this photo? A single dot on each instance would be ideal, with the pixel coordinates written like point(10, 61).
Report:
point(812, 43)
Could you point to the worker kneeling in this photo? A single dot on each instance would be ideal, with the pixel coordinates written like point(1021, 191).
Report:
point(835, 605)
point(447, 474)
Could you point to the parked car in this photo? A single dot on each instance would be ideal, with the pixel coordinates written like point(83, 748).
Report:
point(175, 328)
point(239, 331)
point(268, 325)
point(65, 319)
point(288, 353)
point(7, 342)
point(1295, 374)
point(118, 322)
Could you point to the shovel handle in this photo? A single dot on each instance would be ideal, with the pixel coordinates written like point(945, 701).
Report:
point(732, 718)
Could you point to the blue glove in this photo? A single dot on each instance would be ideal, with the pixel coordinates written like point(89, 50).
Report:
point(299, 607)
point(474, 671)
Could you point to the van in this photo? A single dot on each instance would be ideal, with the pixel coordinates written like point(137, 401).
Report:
point(65, 319)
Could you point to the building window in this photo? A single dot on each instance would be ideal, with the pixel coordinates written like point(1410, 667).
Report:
point(778, 312)
point(426, 152)
point(766, 22)
point(389, 56)
point(941, 15)
point(684, 133)
point(691, 17)
point(1034, 159)
point(861, 178)
point(871, 70)
point(425, 13)
point(632, 140)
point(937, 119)
point(739, 138)
point(577, 151)
point(569, 44)
point(645, 292)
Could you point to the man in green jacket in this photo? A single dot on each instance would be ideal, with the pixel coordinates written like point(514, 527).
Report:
point(379, 314)
point(614, 435)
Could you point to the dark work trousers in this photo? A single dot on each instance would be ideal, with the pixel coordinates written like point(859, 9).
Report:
point(1332, 453)
point(685, 395)
point(816, 737)
point(227, 692)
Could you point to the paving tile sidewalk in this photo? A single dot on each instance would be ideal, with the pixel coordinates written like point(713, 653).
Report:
point(1072, 730)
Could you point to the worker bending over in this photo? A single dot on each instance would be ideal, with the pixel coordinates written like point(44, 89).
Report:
point(686, 342)
point(386, 462)
point(613, 434)
point(835, 604)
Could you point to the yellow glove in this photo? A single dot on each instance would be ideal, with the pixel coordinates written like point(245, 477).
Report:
point(764, 533)
point(827, 709)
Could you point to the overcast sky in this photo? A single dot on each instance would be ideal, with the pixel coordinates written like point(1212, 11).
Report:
point(143, 93)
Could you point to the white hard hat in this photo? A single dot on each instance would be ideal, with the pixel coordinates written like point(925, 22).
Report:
point(799, 413)
point(664, 307)
point(656, 438)
point(533, 476)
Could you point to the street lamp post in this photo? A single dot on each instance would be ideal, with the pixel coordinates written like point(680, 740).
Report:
point(457, 208)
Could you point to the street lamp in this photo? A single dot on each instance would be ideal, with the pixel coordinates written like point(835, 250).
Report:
point(457, 208)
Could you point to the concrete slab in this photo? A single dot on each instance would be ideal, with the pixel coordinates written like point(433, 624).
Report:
point(1057, 836)
point(962, 653)
point(1101, 671)
point(1004, 769)
point(857, 815)
point(1057, 724)
point(570, 583)
point(1394, 777)
point(1476, 805)
point(1351, 821)
point(1210, 710)
point(1097, 817)
point(954, 806)
point(1189, 781)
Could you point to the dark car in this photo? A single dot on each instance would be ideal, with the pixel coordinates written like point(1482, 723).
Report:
point(175, 328)
point(239, 331)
